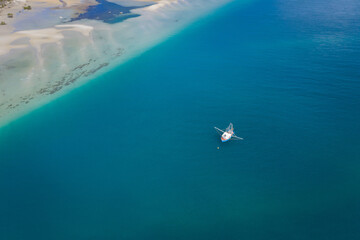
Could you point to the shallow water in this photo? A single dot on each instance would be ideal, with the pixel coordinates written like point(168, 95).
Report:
point(133, 154)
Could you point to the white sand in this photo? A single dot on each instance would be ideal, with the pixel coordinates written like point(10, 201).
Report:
point(38, 37)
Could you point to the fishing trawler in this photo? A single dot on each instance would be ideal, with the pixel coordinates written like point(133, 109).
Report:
point(228, 133)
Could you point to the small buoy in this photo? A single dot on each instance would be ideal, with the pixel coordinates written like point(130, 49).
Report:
point(218, 147)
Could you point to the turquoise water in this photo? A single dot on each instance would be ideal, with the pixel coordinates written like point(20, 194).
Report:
point(133, 154)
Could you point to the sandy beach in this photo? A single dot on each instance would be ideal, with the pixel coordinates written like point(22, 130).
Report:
point(41, 60)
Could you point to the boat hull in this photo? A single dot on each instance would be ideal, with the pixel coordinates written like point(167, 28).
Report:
point(224, 139)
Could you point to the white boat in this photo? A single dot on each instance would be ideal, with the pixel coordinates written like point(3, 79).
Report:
point(228, 133)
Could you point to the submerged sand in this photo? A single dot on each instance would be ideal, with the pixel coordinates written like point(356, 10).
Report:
point(40, 64)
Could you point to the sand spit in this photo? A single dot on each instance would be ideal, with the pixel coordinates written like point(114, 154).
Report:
point(38, 65)
point(38, 37)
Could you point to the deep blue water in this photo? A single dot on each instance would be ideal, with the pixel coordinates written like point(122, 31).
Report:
point(108, 12)
point(133, 154)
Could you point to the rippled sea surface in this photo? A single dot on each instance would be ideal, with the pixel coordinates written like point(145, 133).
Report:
point(133, 154)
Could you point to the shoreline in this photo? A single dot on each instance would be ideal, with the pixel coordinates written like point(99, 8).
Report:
point(73, 64)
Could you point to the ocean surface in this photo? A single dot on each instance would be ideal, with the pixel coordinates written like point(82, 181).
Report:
point(133, 154)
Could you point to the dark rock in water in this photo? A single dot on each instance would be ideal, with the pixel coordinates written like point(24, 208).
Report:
point(108, 12)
